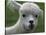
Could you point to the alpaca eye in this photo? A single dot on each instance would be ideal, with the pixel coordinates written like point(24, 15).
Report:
point(23, 15)
point(36, 16)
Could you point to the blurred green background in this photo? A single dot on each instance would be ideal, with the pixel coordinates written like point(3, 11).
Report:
point(12, 16)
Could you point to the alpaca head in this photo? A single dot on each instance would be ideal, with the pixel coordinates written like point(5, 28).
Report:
point(29, 13)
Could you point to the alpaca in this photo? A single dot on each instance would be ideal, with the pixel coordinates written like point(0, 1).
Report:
point(28, 17)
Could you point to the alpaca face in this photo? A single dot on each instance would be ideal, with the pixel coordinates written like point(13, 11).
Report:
point(29, 13)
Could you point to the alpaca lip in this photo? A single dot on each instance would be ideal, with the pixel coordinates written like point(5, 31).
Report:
point(31, 26)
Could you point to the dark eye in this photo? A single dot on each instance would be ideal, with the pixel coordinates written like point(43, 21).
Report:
point(36, 16)
point(23, 15)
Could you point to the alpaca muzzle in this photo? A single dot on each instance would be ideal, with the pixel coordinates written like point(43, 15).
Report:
point(31, 26)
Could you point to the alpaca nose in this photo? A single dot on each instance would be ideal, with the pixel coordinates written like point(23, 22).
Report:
point(31, 26)
point(31, 21)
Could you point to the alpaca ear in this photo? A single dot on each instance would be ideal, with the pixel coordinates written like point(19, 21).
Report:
point(12, 4)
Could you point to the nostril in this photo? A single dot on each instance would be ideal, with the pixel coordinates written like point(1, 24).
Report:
point(30, 21)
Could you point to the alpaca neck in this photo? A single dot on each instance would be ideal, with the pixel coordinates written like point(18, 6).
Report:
point(17, 28)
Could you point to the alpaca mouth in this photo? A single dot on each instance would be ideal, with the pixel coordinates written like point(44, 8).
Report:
point(31, 26)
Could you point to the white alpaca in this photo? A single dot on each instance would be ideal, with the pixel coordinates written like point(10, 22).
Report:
point(27, 21)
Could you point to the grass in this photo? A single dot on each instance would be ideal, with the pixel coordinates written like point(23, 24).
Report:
point(13, 15)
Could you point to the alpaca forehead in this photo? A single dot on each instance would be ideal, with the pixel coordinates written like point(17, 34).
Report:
point(30, 8)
